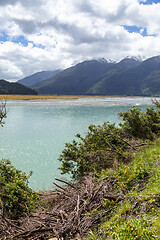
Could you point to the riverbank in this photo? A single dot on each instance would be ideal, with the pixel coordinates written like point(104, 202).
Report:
point(75, 100)
point(36, 97)
point(45, 97)
point(122, 203)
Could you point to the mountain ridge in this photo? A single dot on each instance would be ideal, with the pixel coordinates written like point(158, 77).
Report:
point(36, 77)
point(130, 76)
point(15, 88)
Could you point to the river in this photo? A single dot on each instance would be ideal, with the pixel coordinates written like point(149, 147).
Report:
point(35, 131)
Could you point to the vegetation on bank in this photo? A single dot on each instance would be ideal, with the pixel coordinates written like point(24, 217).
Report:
point(16, 197)
point(35, 97)
point(107, 145)
point(138, 215)
point(116, 190)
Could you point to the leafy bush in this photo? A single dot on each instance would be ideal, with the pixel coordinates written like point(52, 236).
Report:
point(15, 195)
point(144, 125)
point(106, 144)
point(99, 149)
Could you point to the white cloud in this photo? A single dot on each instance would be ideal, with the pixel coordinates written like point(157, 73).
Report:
point(9, 70)
point(151, 18)
point(58, 33)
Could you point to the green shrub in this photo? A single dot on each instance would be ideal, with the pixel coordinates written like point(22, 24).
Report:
point(106, 144)
point(98, 150)
point(144, 125)
point(15, 195)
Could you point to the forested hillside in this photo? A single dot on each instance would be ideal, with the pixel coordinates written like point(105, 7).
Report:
point(15, 88)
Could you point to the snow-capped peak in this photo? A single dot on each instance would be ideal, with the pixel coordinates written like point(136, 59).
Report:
point(136, 58)
point(104, 60)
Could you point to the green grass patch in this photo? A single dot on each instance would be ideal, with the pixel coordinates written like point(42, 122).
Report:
point(138, 216)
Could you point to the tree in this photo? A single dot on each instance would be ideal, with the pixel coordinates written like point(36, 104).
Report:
point(3, 113)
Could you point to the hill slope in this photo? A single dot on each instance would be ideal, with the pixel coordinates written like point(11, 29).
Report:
point(37, 77)
point(128, 77)
point(85, 78)
point(105, 84)
point(143, 79)
point(75, 80)
point(137, 216)
point(15, 88)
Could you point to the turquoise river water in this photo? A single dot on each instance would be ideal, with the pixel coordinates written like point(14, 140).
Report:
point(35, 132)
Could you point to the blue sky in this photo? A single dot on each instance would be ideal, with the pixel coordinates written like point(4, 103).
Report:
point(140, 30)
point(51, 34)
point(149, 2)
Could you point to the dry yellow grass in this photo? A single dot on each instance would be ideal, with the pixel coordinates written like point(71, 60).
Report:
point(31, 97)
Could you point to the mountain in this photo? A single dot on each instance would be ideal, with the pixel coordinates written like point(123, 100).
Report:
point(15, 88)
point(128, 62)
point(143, 79)
point(37, 77)
point(84, 77)
point(105, 84)
point(130, 76)
point(75, 80)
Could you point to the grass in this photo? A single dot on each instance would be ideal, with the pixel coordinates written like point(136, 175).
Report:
point(32, 97)
point(138, 215)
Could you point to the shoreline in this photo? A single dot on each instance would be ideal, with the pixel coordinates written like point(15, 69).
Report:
point(74, 100)
point(41, 97)
point(45, 97)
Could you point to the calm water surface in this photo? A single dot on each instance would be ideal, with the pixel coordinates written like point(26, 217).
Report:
point(35, 132)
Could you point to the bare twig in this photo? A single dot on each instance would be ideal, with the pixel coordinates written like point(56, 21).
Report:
point(59, 187)
point(63, 181)
point(30, 233)
point(10, 223)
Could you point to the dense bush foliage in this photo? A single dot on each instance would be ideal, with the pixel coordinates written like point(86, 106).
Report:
point(101, 148)
point(106, 144)
point(15, 195)
point(145, 125)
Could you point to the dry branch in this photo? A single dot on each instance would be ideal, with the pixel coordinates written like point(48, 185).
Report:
point(76, 212)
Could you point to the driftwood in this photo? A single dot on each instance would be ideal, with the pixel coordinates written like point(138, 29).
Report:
point(74, 210)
